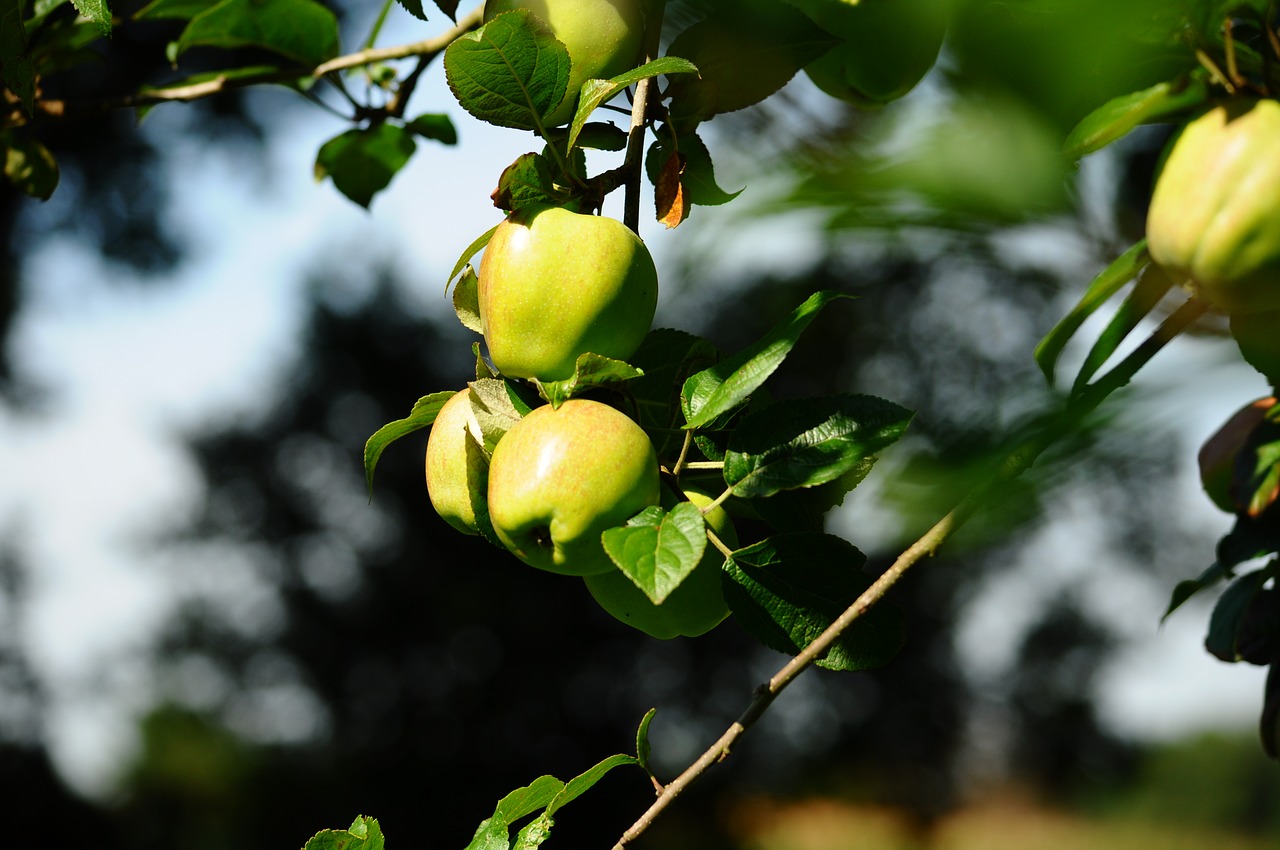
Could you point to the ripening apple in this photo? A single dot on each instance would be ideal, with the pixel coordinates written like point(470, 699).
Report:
point(888, 46)
point(560, 477)
point(555, 284)
point(456, 469)
point(603, 37)
point(1214, 219)
point(695, 607)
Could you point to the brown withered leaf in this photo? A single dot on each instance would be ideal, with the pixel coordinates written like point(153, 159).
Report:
point(670, 197)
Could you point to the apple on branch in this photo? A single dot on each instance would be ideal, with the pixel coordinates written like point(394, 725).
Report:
point(555, 284)
point(562, 476)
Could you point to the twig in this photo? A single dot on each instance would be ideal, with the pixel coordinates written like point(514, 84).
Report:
point(639, 120)
point(1017, 462)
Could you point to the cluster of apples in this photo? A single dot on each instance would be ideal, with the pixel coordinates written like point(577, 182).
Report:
point(555, 284)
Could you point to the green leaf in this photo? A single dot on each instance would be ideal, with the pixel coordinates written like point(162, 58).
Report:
point(643, 750)
point(724, 386)
point(171, 9)
point(1115, 118)
point(414, 7)
point(492, 834)
point(470, 251)
point(697, 172)
point(301, 30)
point(1144, 297)
point(483, 370)
point(466, 301)
point(805, 510)
point(1112, 279)
point(1189, 588)
point(511, 72)
point(434, 126)
point(449, 7)
point(1228, 616)
point(597, 92)
point(538, 794)
point(363, 834)
point(97, 12)
point(804, 443)
point(361, 163)
point(667, 357)
point(583, 782)
point(1248, 539)
point(602, 136)
point(29, 165)
point(534, 833)
point(528, 182)
point(744, 52)
point(657, 549)
point(589, 372)
point(786, 590)
point(494, 408)
point(423, 414)
point(15, 64)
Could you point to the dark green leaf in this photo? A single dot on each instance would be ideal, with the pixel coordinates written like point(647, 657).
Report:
point(363, 834)
point(414, 7)
point(434, 126)
point(643, 750)
point(1115, 118)
point(602, 136)
point(449, 7)
point(657, 549)
point(1228, 615)
point(176, 9)
point(1189, 588)
point(744, 52)
point(726, 385)
point(15, 65)
point(589, 371)
point(697, 177)
point(805, 510)
point(807, 442)
point(97, 12)
point(466, 301)
point(1247, 540)
point(1112, 279)
point(301, 30)
point(786, 590)
point(471, 250)
point(361, 163)
point(666, 357)
point(596, 92)
point(1139, 303)
point(29, 165)
point(528, 182)
point(423, 414)
point(510, 72)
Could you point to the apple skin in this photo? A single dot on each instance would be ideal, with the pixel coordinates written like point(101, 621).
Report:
point(694, 608)
point(1217, 457)
point(1214, 219)
point(457, 475)
point(561, 477)
point(603, 37)
point(555, 284)
point(889, 45)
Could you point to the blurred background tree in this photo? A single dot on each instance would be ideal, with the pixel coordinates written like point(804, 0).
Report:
point(329, 656)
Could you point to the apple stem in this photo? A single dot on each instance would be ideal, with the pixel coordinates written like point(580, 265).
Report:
point(684, 453)
point(719, 544)
point(720, 500)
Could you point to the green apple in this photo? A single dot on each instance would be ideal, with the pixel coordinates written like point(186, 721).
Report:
point(695, 607)
point(560, 477)
point(1214, 219)
point(887, 47)
point(603, 37)
point(555, 284)
point(1217, 457)
point(456, 469)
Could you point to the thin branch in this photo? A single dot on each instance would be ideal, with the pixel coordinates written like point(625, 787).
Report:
point(639, 120)
point(1017, 462)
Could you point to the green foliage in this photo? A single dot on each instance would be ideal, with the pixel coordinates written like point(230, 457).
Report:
point(363, 834)
point(361, 163)
point(657, 549)
point(423, 414)
point(28, 164)
point(300, 30)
